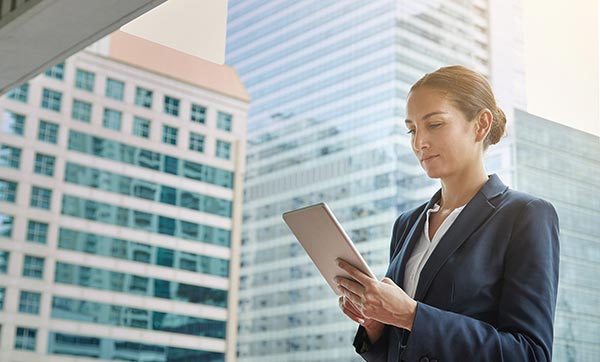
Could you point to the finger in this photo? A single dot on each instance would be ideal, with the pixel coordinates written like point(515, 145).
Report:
point(387, 280)
point(350, 284)
point(356, 273)
point(353, 298)
point(347, 304)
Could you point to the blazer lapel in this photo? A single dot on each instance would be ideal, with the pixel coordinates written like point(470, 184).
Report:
point(412, 238)
point(469, 220)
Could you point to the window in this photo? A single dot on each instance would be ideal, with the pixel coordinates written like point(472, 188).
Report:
point(171, 106)
point(115, 89)
point(37, 232)
point(10, 156)
point(224, 121)
point(196, 142)
point(48, 131)
point(40, 197)
point(57, 71)
point(223, 149)
point(44, 164)
point(169, 135)
point(82, 111)
point(112, 119)
point(141, 127)
point(8, 191)
point(2, 296)
point(29, 302)
point(19, 93)
point(12, 123)
point(4, 256)
point(51, 99)
point(33, 267)
point(25, 338)
point(6, 226)
point(198, 113)
point(143, 97)
point(84, 80)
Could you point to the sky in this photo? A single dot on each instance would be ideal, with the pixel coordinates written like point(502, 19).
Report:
point(561, 50)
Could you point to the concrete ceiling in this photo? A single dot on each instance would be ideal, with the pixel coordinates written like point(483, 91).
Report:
point(36, 34)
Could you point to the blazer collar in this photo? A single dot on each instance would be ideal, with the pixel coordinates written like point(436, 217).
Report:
point(471, 217)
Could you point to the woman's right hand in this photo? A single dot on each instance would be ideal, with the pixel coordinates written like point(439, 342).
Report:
point(373, 328)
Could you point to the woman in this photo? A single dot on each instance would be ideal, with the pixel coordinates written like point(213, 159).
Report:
point(473, 273)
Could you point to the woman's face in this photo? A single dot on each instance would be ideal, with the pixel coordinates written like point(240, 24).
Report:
point(443, 140)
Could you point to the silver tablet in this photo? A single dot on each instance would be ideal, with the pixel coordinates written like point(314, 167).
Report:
point(324, 240)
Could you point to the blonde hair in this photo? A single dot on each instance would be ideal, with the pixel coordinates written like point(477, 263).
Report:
point(470, 92)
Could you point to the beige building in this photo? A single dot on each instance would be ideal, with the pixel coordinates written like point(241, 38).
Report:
point(121, 175)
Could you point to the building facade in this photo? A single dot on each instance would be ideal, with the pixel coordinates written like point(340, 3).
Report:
point(562, 165)
point(328, 82)
point(120, 205)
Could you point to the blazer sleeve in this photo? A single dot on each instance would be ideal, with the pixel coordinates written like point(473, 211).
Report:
point(378, 351)
point(524, 328)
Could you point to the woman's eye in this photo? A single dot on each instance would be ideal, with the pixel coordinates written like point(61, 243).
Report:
point(411, 131)
point(434, 125)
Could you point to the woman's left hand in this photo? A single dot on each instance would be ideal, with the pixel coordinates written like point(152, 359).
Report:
point(383, 300)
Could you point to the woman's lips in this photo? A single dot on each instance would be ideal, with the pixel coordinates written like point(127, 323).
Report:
point(428, 158)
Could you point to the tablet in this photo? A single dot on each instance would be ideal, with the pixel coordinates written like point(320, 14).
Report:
point(324, 240)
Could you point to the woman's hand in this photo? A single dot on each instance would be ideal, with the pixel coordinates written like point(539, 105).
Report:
point(374, 328)
point(382, 301)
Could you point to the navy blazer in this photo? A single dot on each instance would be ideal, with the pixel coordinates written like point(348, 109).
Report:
point(488, 291)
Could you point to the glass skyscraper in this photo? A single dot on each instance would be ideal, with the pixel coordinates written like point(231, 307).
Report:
point(120, 208)
point(328, 82)
point(562, 165)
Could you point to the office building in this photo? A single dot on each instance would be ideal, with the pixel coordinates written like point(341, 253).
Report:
point(562, 165)
point(328, 82)
point(120, 206)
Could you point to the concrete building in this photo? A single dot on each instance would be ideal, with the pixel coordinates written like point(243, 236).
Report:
point(120, 204)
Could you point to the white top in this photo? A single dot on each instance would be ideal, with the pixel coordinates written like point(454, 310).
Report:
point(424, 248)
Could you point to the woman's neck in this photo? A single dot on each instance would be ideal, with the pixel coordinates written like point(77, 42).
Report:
point(460, 189)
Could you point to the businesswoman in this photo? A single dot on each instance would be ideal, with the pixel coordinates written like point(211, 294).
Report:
point(473, 273)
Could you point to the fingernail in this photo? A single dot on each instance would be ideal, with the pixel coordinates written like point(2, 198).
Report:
point(361, 321)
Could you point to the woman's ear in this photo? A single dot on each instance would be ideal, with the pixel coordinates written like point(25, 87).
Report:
point(483, 124)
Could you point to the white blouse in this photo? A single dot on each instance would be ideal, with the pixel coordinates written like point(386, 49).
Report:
point(422, 251)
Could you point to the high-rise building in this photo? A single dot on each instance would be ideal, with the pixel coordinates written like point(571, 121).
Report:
point(562, 165)
point(328, 82)
point(121, 174)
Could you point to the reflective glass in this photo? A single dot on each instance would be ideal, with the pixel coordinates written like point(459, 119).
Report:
point(25, 338)
point(40, 197)
point(37, 232)
point(121, 152)
point(135, 219)
point(89, 243)
point(44, 164)
point(8, 191)
point(81, 111)
point(4, 257)
point(112, 119)
point(84, 80)
point(198, 113)
point(171, 106)
point(20, 93)
point(143, 97)
point(103, 279)
point(33, 267)
point(169, 135)
point(51, 99)
point(6, 226)
point(10, 156)
point(223, 149)
point(57, 71)
point(141, 127)
point(224, 121)
point(12, 123)
point(115, 89)
point(196, 142)
point(48, 132)
point(112, 350)
point(29, 302)
point(116, 315)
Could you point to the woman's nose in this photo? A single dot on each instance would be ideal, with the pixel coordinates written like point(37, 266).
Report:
point(419, 141)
